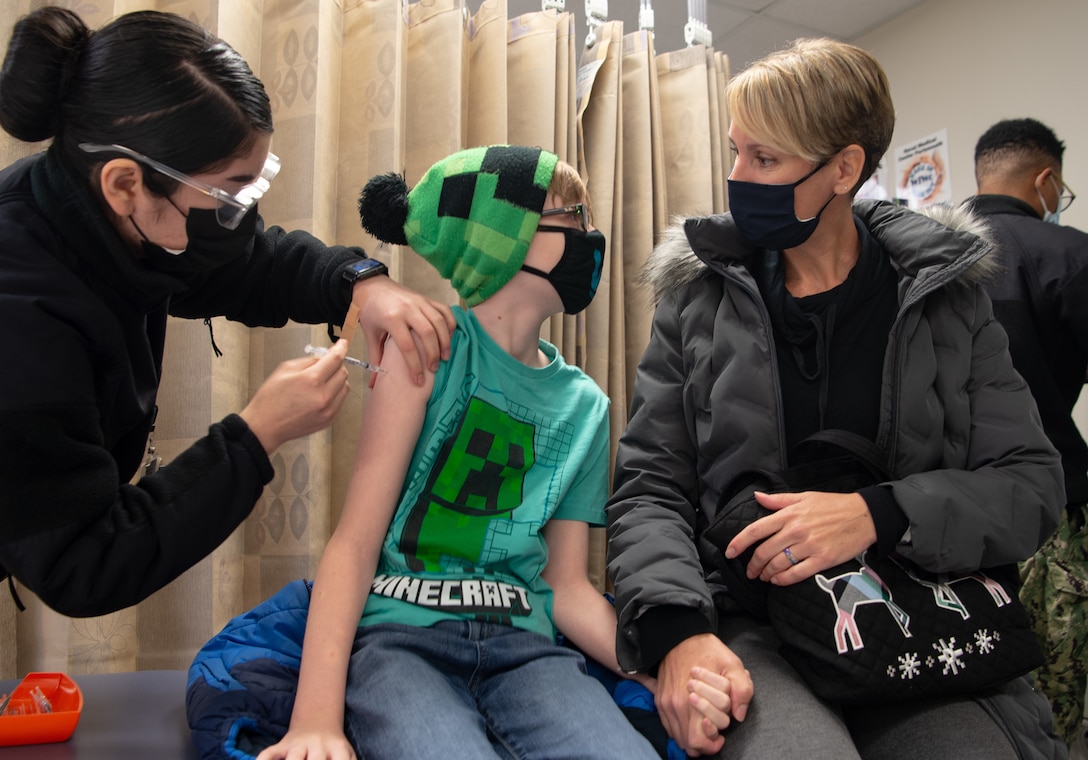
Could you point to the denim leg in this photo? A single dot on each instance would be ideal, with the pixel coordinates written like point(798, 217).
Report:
point(408, 696)
point(539, 703)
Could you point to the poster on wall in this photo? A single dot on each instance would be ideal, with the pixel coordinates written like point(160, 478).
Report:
point(921, 168)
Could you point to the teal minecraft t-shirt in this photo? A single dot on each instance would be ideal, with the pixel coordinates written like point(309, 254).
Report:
point(504, 448)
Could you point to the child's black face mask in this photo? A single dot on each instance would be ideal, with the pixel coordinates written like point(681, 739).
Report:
point(578, 272)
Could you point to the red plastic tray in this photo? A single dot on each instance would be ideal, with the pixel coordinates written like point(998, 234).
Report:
point(42, 728)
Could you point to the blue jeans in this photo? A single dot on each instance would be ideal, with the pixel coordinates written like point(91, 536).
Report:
point(478, 690)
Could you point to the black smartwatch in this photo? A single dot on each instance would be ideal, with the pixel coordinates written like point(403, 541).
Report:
point(360, 270)
point(363, 268)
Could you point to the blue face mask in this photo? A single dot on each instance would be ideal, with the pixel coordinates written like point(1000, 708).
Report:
point(765, 214)
point(1054, 217)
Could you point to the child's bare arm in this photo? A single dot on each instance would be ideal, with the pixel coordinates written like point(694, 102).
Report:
point(387, 437)
point(581, 612)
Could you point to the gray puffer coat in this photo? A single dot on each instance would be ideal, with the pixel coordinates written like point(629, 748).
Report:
point(977, 478)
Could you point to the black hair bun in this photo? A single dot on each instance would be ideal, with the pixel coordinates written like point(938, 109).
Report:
point(48, 44)
point(383, 208)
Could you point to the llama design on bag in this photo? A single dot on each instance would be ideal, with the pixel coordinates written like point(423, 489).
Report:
point(851, 590)
point(946, 598)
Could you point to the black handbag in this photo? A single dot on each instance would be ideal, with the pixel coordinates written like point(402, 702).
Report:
point(875, 630)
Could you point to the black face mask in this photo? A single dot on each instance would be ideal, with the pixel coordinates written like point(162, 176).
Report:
point(764, 214)
point(578, 272)
point(211, 245)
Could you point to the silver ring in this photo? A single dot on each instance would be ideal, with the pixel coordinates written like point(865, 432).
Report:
point(789, 555)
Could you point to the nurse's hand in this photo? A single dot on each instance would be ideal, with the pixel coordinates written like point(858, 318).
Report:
point(300, 397)
point(420, 327)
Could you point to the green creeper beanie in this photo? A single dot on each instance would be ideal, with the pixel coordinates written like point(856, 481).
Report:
point(474, 213)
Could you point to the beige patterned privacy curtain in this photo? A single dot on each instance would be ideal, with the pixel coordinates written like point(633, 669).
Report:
point(360, 87)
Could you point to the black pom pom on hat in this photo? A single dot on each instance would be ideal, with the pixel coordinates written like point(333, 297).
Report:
point(383, 208)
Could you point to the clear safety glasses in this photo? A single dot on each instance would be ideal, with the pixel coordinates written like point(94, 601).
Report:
point(230, 207)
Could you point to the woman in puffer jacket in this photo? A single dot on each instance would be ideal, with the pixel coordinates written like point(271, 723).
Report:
point(801, 311)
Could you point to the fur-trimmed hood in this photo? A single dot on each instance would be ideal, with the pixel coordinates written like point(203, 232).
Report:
point(944, 238)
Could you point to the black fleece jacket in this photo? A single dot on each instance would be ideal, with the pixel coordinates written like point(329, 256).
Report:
point(82, 329)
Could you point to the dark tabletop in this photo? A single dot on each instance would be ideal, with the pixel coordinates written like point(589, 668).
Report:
point(125, 715)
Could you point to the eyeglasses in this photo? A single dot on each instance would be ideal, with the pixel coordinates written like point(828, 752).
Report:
point(230, 207)
point(1065, 195)
point(578, 209)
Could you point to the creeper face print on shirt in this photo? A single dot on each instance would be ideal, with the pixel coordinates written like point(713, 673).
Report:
point(477, 477)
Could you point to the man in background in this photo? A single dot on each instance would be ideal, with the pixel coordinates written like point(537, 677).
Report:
point(1041, 299)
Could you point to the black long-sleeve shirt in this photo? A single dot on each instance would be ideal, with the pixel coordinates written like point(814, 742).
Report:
point(82, 329)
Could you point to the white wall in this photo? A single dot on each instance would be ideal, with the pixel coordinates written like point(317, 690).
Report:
point(965, 64)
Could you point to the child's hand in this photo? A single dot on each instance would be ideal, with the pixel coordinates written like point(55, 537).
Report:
point(708, 694)
point(309, 746)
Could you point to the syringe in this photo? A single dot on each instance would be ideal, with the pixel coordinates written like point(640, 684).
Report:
point(321, 351)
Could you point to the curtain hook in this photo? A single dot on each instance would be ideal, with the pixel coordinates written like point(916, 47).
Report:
point(696, 30)
point(596, 14)
point(646, 17)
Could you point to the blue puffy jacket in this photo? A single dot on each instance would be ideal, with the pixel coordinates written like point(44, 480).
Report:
point(241, 687)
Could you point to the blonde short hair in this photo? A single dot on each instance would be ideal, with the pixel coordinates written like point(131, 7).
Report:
point(813, 99)
point(568, 185)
